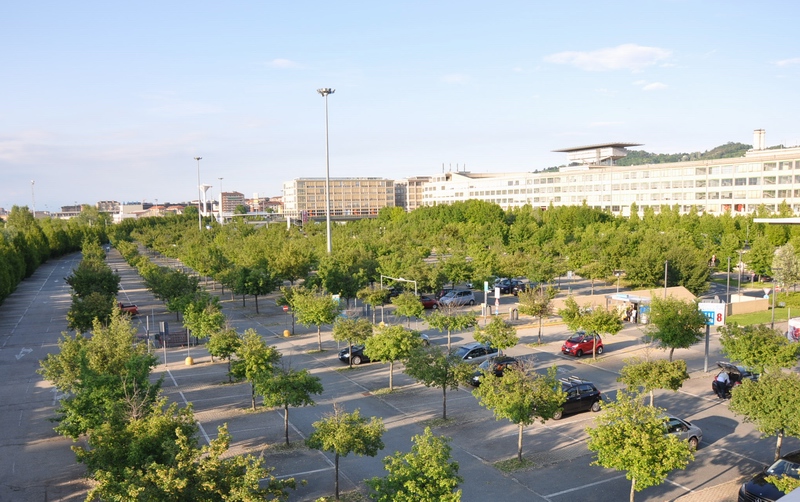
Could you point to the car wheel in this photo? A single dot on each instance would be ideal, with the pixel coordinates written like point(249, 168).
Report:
point(472, 302)
point(578, 353)
point(356, 360)
point(435, 306)
point(557, 415)
point(596, 406)
point(693, 442)
point(599, 350)
point(426, 343)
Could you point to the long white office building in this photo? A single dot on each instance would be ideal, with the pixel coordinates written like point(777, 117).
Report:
point(740, 185)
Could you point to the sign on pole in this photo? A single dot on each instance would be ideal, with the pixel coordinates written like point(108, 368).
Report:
point(714, 312)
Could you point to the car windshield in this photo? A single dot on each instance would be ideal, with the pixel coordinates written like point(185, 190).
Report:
point(485, 364)
point(576, 339)
point(462, 351)
point(784, 467)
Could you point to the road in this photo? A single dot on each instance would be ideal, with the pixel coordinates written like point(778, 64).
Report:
point(38, 465)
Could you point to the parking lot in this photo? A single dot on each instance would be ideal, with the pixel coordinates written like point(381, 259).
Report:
point(38, 465)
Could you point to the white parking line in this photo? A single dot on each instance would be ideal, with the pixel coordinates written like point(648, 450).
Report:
point(577, 488)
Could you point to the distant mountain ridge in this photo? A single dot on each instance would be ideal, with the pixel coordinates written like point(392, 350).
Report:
point(726, 151)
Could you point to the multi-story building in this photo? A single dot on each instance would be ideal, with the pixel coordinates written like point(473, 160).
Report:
point(409, 192)
point(350, 197)
point(230, 200)
point(740, 185)
point(108, 206)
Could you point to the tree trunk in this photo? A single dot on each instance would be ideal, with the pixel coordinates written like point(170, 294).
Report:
point(256, 296)
point(286, 422)
point(391, 374)
point(519, 443)
point(633, 488)
point(448, 340)
point(229, 370)
point(778, 445)
point(444, 402)
point(336, 475)
point(652, 396)
point(243, 297)
point(319, 337)
point(540, 330)
point(253, 395)
point(350, 351)
point(671, 351)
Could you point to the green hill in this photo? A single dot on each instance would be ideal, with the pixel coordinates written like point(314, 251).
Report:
point(726, 151)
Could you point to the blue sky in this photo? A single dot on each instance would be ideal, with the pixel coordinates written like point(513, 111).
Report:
point(112, 100)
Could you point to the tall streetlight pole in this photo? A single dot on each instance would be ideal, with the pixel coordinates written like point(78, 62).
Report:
point(199, 214)
point(220, 199)
point(33, 198)
point(324, 92)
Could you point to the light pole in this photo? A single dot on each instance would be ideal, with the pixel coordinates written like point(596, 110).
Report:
point(618, 273)
point(324, 92)
point(33, 198)
point(220, 199)
point(400, 279)
point(199, 214)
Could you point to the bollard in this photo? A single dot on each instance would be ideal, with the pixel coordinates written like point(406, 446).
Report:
point(287, 333)
point(189, 361)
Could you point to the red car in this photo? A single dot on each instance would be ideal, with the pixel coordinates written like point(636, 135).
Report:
point(429, 302)
point(581, 343)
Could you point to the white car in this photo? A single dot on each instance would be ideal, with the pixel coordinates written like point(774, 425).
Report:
point(458, 297)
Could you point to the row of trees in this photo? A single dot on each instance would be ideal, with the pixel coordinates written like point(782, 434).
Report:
point(470, 241)
point(94, 289)
point(26, 243)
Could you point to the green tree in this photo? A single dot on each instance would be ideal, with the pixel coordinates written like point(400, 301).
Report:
point(343, 433)
point(354, 331)
point(288, 387)
point(315, 308)
point(426, 473)
point(603, 322)
point(255, 361)
point(758, 347)
point(106, 377)
point(651, 375)
point(772, 404)
point(408, 304)
point(93, 276)
point(203, 320)
point(631, 437)
point(85, 309)
point(445, 319)
point(572, 314)
point(786, 265)
point(390, 344)
point(498, 334)
point(224, 344)
point(373, 298)
point(259, 281)
point(432, 366)
point(521, 398)
point(537, 302)
point(675, 324)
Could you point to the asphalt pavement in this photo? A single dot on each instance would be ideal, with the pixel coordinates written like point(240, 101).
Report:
point(38, 465)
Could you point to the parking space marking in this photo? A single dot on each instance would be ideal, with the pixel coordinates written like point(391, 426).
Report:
point(298, 474)
point(577, 488)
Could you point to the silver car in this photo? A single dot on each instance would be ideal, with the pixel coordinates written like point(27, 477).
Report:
point(458, 297)
point(684, 430)
point(475, 353)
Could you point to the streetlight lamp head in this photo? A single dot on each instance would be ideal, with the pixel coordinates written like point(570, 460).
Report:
point(325, 91)
point(198, 158)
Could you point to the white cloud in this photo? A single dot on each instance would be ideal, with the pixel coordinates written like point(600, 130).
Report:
point(654, 86)
point(455, 78)
point(787, 62)
point(623, 57)
point(283, 63)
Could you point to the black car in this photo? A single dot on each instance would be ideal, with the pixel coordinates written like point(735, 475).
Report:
point(495, 365)
point(582, 395)
point(757, 489)
point(358, 355)
point(518, 286)
point(736, 375)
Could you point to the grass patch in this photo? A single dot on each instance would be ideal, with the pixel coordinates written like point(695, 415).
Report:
point(765, 317)
point(350, 368)
point(283, 447)
point(383, 392)
point(317, 351)
point(513, 464)
point(354, 496)
point(439, 422)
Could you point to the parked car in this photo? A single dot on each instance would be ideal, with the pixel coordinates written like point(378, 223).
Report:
point(429, 302)
point(582, 343)
point(458, 297)
point(496, 365)
point(475, 353)
point(736, 375)
point(517, 286)
point(684, 430)
point(582, 395)
point(358, 355)
point(757, 489)
point(443, 292)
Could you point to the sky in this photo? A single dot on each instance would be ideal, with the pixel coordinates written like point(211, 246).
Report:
point(114, 100)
